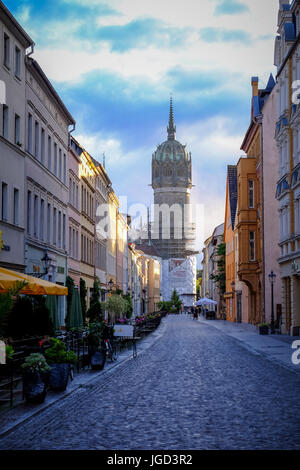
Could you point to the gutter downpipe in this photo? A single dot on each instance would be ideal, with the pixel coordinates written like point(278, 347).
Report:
point(259, 120)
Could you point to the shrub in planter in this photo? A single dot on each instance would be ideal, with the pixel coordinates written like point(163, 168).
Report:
point(35, 378)
point(59, 359)
point(263, 329)
point(96, 351)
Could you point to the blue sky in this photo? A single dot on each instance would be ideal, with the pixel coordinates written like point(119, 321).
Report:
point(115, 63)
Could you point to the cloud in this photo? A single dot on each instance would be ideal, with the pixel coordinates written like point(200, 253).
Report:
point(139, 34)
point(225, 35)
point(230, 7)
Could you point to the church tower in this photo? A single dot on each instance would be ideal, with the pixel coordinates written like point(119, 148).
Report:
point(172, 183)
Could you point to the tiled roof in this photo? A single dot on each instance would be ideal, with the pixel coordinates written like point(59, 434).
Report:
point(233, 191)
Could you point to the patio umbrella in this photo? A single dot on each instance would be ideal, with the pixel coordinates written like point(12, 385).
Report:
point(206, 301)
point(35, 286)
point(51, 304)
point(75, 320)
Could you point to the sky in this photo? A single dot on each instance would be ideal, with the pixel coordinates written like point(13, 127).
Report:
point(115, 63)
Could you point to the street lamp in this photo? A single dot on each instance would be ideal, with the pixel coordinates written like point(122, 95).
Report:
point(46, 260)
point(272, 278)
point(111, 284)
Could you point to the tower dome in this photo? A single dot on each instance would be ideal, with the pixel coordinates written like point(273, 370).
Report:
point(171, 163)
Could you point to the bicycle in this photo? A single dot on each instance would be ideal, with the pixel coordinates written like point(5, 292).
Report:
point(111, 350)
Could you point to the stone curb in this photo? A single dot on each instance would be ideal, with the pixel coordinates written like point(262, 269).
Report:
point(145, 343)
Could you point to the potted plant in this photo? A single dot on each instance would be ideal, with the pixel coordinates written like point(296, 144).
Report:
point(59, 359)
point(263, 329)
point(35, 374)
point(96, 351)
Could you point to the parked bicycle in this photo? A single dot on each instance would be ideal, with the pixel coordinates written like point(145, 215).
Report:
point(111, 350)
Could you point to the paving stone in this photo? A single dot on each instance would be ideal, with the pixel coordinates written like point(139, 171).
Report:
point(194, 388)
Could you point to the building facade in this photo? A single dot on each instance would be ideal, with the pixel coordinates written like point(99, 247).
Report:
point(287, 61)
point(15, 44)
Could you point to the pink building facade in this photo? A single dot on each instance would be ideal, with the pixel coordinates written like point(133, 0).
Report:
point(271, 250)
point(74, 222)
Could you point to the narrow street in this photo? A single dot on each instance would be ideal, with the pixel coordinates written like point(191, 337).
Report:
point(195, 388)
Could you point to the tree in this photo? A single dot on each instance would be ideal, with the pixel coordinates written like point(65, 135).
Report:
point(116, 306)
point(94, 313)
point(83, 293)
point(129, 306)
point(176, 302)
point(220, 277)
point(70, 285)
point(6, 304)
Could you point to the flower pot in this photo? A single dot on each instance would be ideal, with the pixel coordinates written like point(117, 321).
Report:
point(98, 360)
point(59, 376)
point(34, 387)
point(263, 330)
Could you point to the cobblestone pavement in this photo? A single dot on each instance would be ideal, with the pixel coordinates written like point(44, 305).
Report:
point(195, 388)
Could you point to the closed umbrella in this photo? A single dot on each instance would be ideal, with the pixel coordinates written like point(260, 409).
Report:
point(51, 304)
point(75, 320)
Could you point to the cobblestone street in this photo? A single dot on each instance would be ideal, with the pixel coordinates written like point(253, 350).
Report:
point(195, 388)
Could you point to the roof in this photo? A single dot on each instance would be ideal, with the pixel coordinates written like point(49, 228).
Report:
point(232, 191)
point(32, 63)
point(15, 27)
point(146, 247)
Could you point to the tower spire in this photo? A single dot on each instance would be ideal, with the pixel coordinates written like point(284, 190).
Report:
point(171, 127)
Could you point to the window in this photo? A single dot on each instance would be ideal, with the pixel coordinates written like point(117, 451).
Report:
point(48, 222)
point(17, 130)
point(6, 58)
point(5, 121)
point(64, 231)
point(60, 165)
point(54, 226)
point(35, 209)
point(42, 219)
point(55, 159)
point(29, 136)
point(29, 212)
point(59, 229)
point(49, 153)
point(43, 146)
point(70, 242)
point(65, 169)
point(251, 193)
point(252, 245)
point(4, 208)
point(17, 62)
point(36, 140)
point(16, 206)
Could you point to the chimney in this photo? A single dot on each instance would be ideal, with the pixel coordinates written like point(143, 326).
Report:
point(254, 83)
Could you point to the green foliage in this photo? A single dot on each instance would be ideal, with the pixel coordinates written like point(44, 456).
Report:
point(57, 353)
point(129, 306)
point(9, 351)
point(116, 306)
point(83, 293)
point(96, 291)
point(176, 302)
point(36, 362)
point(95, 333)
point(95, 313)
point(70, 285)
point(29, 317)
point(7, 302)
point(165, 306)
point(220, 277)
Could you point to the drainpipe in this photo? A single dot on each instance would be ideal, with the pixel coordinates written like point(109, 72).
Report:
point(259, 120)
